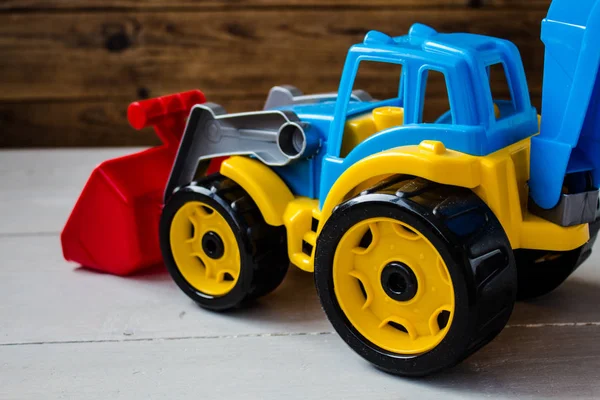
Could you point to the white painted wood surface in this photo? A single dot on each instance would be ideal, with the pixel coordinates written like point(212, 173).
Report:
point(66, 332)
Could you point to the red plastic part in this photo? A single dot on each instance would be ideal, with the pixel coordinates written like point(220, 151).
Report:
point(114, 225)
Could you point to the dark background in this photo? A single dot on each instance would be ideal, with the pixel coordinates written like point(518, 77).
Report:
point(69, 68)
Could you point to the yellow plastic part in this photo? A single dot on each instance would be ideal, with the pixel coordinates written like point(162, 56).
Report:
point(500, 179)
point(357, 275)
point(358, 129)
point(451, 167)
point(214, 277)
point(277, 205)
point(497, 113)
point(266, 188)
point(298, 218)
point(503, 186)
point(388, 117)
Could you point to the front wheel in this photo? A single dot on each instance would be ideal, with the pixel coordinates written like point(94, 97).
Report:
point(218, 247)
point(415, 277)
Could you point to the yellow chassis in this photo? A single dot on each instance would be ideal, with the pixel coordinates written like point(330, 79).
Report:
point(499, 179)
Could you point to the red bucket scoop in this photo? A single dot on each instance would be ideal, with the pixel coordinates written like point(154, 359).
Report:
point(114, 225)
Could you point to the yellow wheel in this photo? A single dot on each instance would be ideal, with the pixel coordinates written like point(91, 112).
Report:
point(393, 286)
point(218, 248)
point(415, 276)
point(205, 248)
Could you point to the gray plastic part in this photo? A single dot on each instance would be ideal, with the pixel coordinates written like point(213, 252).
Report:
point(573, 209)
point(286, 95)
point(274, 137)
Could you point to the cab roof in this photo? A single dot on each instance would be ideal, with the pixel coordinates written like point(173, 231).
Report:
point(445, 46)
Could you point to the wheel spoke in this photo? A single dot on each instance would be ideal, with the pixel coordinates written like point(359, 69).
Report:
point(202, 213)
point(419, 318)
point(434, 323)
point(209, 267)
point(405, 232)
point(369, 292)
point(194, 223)
point(368, 260)
point(374, 240)
point(386, 230)
point(223, 271)
point(197, 217)
point(437, 280)
point(428, 307)
point(410, 329)
point(228, 264)
point(397, 238)
point(443, 271)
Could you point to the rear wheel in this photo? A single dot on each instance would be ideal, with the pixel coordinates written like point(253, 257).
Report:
point(541, 272)
point(415, 276)
point(217, 246)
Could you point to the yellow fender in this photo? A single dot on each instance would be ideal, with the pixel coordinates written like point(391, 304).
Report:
point(499, 179)
point(266, 188)
point(429, 160)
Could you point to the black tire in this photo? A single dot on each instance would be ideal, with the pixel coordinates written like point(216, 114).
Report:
point(469, 239)
point(541, 272)
point(263, 248)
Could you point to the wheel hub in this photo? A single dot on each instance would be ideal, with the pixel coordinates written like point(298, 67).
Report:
point(213, 246)
point(399, 281)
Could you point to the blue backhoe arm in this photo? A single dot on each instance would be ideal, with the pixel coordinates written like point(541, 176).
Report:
point(569, 140)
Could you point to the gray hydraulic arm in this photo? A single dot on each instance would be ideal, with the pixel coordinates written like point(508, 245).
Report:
point(276, 137)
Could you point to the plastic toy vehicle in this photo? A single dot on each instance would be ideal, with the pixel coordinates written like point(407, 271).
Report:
point(421, 235)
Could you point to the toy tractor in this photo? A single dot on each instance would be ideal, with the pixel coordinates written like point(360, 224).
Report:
point(421, 235)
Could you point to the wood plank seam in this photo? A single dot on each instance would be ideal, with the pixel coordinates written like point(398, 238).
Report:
point(267, 335)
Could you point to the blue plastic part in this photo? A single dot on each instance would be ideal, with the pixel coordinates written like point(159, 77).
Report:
point(463, 59)
point(470, 126)
point(569, 140)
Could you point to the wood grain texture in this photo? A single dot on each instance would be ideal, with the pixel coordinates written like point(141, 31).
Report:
point(34, 5)
point(522, 363)
point(69, 68)
point(230, 53)
point(68, 123)
point(93, 122)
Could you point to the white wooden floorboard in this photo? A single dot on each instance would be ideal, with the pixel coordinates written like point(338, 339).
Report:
point(39, 188)
point(48, 299)
point(66, 332)
point(517, 365)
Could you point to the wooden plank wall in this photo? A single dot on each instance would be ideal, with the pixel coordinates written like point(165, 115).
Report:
point(68, 68)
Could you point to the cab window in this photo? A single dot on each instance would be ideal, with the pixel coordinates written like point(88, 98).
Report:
point(502, 94)
point(383, 81)
point(435, 106)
